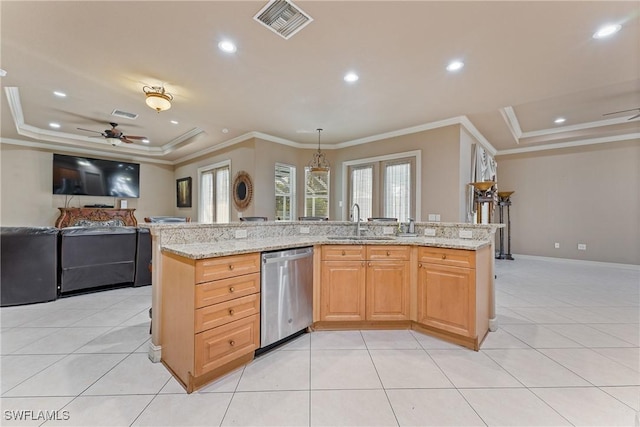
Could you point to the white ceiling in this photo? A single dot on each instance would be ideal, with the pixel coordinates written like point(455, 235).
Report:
point(526, 64)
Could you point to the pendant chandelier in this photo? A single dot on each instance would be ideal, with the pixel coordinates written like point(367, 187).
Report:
point(319, 163)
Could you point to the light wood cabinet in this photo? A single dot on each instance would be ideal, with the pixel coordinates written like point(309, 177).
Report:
point(210, 315)
point(453, 293)
point(358, 283)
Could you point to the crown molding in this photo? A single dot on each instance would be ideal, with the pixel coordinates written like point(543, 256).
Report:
point(570, 144)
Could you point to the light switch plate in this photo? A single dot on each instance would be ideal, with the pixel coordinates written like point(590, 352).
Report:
point(241, 234)
point(304, 230)
point(437, 217)
point(388, 230)
point(430, 232)
point(432, 217)
point(465, 234)
point(582, 246)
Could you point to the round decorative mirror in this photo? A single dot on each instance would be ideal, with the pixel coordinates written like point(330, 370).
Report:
point(242, 190)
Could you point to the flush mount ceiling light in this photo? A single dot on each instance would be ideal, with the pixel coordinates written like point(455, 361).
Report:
point(227, 46)
point(319, 163)
point(351, 77)
point(455, 66)
point(54, 125)
point(59, 94)
point(157, 98)
point(114, 141)
point(559, 120)
point(607, 31)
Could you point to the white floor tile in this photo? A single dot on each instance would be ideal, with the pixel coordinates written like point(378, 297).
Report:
point(134, 375)
point(428, 342)
point(537, 336)
point(542, 315)
point(534, 369)
point(107, 317)
point(629, 395)
point(228, 383)
point(271, 408)
point(302, 342)
point(507, 316)
point(502, 339)
point(121, 339)
point(629, 357)
point(390, 340)
point(343, 369)
point(587, 336)
point(32, 411)
point(185, 410)
point(63, 341)
point(594, 367)
point(629, 332)
point(61, 318)
point(68, 377)
point(16, 369)
point(467, 368)
point(432, 408)
point(351, 408)
point(587, 406)
point(408, 369)
point(18, 316)
point(337, 340)
point(16, 338)
point(279, 370)
point(88, 411)
point(512, 407)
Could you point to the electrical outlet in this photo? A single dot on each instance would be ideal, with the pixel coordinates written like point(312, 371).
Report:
point(437, 217)
point(388, 230)
point(582, 246)
point(430, 232)
point(241, 234)
point(556, 245)
point(432, 217)
point(304, 230)
point(465, 234)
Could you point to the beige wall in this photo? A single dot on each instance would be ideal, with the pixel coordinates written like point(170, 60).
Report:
point(585, 195)
point(27, 199)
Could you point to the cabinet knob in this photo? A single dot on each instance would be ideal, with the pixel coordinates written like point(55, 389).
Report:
point(343, 253)
point(230, 266)
point(232, 343)
point(231, 312)
point(444, 257)
point(363, 263)
point(232, 290)
point(420, 265)
point(369, 264)
point(388, 253)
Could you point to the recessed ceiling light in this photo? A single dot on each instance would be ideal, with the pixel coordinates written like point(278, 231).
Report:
point(174, 122)
point(145, 141)
point(225, 130)
point(54, 125)
point(559, 120)
point(227, 46)
point(606, 31)
point(351, 77)
point(455, 65)
point(59, 94)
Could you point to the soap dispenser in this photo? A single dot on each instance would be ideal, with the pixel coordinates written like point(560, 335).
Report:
point(412, 226)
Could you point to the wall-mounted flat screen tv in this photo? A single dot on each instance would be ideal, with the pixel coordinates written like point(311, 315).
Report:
point(95, 177)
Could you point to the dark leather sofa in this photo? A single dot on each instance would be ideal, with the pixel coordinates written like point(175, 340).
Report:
point(28, 266)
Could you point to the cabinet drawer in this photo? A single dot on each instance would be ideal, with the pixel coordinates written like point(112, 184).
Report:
point(227, 289)
point(228, 266)
point(226, 312)
point(388, 252)
point(219, 346)
point(342, 252)
point(452, 257)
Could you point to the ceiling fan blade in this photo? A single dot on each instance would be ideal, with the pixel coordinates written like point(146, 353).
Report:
point(89, 130)
point(124, 139)
point(622, 111)
point(634, 117)
point(134, 137)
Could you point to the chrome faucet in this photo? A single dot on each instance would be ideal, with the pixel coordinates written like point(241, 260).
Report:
point(355, 205)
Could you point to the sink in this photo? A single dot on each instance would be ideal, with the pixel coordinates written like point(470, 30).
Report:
point(361, 238)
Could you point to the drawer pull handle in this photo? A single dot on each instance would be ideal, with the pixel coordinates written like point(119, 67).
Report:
point(230, 266)
point(232, 343)
point(343, 253)
point(232, 290)
point(444, 257)
point(231, 312)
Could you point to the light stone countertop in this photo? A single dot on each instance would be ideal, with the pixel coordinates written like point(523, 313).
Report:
point(242, 246)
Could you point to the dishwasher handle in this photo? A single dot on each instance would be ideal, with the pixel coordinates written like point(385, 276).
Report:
point(266, 260)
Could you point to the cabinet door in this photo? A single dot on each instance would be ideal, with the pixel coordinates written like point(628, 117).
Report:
point(387, 290)
point(446, 298)
point(342, 291)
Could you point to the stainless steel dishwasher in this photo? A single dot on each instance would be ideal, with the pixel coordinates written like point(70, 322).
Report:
point(286, 294)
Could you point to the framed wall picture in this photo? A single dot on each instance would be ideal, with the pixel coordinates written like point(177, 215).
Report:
point(183, 192)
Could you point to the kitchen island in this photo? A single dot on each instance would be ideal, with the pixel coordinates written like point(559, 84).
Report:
point(209, 294)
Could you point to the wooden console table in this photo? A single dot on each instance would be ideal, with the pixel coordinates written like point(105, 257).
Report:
point(71, 216)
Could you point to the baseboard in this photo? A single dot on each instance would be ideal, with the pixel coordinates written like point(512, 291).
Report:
point(155, 352)
point(578, 261)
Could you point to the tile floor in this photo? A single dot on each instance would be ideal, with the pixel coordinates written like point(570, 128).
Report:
point(566, 353)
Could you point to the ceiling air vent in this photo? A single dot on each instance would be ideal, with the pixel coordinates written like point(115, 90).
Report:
point(124, 114)
point(283, 18)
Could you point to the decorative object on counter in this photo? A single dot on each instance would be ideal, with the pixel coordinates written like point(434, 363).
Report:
point(157, 98)
point(504, 199)
point(242, 191)
point(71, 217)
point(483, 193)
point(319, 163)
point(183, 192)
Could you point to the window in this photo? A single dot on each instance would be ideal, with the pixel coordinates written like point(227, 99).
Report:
point(316, 193)
point(384, 186)
point(214, 193)
point(285, 192)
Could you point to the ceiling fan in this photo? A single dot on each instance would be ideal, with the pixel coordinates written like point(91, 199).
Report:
point(114, 136)
point(625, 111)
